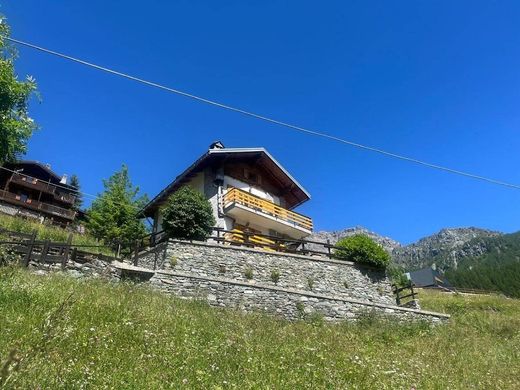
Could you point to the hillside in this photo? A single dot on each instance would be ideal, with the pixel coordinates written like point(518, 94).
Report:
point(445, 248)
point(68, 333)
point(496, 268)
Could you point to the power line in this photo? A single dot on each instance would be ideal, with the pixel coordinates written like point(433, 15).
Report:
point(267, 119)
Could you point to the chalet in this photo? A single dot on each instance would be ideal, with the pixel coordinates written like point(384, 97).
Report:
point(31, 189)
point(248, 189)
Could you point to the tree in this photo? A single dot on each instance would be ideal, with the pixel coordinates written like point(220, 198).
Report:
point(16, 127)
point(78, 200)
point(360, 248)
point(113, 216)
point(188, 215)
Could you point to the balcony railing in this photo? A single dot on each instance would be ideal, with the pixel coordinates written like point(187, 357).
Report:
point(35, 205)
point(263, 206)
point(33, 183)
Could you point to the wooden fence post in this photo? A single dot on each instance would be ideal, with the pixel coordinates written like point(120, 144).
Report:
point(328, 248)
point(45, 250)
point(30, 247)
point(65, 258)
point(136, 254)
point(74, 254)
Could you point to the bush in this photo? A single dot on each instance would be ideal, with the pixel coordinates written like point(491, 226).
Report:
point(188, 215)
point(362, 249)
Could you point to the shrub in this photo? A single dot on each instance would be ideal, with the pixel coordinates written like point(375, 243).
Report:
point(188, 215)
point(275, 276)
point(310, 283)
point(248, 273)
point(362, 249)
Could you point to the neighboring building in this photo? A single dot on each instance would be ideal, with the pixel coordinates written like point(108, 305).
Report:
point(248, 191)
point(428, 277)
point(33, 190)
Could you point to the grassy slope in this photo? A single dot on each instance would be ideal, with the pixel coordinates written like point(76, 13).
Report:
point(125, 336)
point(45, 232)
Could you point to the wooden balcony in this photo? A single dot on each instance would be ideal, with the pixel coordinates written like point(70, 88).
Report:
point(250, 208)
point(38, 185)
point(37, 206)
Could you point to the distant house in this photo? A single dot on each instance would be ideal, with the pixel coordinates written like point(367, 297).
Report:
point(428, 277)
point(248, 189)
point(33, 190)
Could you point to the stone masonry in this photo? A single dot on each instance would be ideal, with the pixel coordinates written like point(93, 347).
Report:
point(288, 285)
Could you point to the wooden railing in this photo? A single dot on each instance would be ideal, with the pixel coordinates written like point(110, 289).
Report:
point(273, 243)
point(35, 205)
point(404, 294)
point(48, 252)
point(263, 206)
point(39, 185)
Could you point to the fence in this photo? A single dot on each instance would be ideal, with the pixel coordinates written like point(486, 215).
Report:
point(238, 237)
point(404, 293)
point(48, 252)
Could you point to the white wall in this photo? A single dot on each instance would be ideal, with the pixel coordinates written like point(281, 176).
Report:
point(254, 190)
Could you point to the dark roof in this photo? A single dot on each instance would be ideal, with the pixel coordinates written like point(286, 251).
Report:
point(45, 168)
point(216, 155)
point(428, 277)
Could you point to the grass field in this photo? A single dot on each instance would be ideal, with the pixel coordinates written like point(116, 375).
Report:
point(69, 333)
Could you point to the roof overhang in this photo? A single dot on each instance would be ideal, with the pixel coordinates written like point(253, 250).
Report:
point(214, 156)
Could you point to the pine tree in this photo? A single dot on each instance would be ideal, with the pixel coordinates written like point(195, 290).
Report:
point(113, 216)
point(78, 201)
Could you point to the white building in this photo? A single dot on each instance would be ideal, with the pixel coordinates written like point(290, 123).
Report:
point(249, 192)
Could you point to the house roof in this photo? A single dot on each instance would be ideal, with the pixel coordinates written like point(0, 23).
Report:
point(214, 155)
point(44, 167)
point(428, 277)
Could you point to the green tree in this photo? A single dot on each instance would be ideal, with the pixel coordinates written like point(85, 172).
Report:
point(113, 216)
point(188, 215)
point(16, 127)
point(360, 248)
point(78, 200)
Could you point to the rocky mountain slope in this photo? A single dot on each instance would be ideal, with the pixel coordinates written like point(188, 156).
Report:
point(334, 236)
point(445, 248)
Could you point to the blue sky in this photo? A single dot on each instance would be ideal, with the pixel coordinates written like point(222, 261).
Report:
point(434, 80)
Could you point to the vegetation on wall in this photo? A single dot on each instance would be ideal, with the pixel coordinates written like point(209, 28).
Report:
point(188, 215)
point(114, 216)
point(16, 127)
point(498, 269)
point(360, 248)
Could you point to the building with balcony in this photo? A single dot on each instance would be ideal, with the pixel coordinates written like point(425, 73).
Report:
point(32, 189)
point(248, 189)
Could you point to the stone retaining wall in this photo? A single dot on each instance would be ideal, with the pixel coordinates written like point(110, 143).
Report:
point(318, 275)
point(283, 302)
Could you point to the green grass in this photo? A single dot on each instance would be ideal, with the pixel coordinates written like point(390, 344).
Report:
point(110, 335)
point(46, 232)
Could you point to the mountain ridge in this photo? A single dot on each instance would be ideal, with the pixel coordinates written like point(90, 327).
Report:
point(446, 248)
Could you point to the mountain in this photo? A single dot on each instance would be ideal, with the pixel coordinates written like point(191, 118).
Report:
point(471, 257)
point(334, 236)
point(445, 248)
point(497, 268)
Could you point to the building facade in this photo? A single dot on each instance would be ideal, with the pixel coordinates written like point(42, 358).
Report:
point(248, 189)
point(31, 189)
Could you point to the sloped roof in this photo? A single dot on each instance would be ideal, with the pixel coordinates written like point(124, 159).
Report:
point(215, 155)
point(44, 167)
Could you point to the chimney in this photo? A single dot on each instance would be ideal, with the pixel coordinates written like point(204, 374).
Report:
point(63, 179)
point(217, 145)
